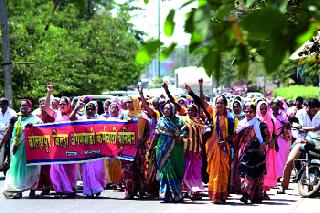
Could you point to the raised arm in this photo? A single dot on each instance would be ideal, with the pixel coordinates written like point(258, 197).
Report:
point(47, 106)
point(176, 104)
point(145, 105)
point(204, 105)
point(73, 114)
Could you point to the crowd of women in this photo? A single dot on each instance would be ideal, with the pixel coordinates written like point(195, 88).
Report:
point(231, 145)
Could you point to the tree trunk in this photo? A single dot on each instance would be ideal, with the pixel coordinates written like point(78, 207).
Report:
point(5, 52)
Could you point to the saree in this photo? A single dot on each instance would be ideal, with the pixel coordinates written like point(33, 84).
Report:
point(270, 179)
point(252, 163)
point(134, 171)
point(170, 158)
point(21, 177)
point(193, 155)
point(219, 157)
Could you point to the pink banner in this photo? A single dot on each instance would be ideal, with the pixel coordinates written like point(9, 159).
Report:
point(79, 141)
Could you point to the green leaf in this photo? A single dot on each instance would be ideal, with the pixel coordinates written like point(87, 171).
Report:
point(243, 60)
point(308, 34)
point(212, 64)
point(169, 23)
point(263, 23)
point(143, 57)
point(152, 46)
point(274, 53)
point(250, 2)
point(187, 3)
point(165, 53)
point(145, 54)
point(189, 27)
point(196, 37)
point(279, 4)
point(146, 1)
point(81, 5)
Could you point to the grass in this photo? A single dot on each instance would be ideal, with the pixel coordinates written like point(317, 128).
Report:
point(292, 92)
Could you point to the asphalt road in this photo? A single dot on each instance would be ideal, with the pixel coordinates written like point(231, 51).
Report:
point(113, 202)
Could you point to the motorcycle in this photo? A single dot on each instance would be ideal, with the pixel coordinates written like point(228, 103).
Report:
point(308, 169)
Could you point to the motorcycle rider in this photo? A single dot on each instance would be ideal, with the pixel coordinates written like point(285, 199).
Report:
point(309, 120)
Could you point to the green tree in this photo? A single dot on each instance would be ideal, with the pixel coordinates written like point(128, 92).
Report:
point(80, 54)
point(271, 29)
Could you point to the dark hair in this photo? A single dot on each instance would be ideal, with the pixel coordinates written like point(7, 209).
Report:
point(237, 98)
point(225, 101)
point(275, 103)
point(4, 100)
point(100, 107)
point(313, 102)
point(299, 99)
point(252, 106)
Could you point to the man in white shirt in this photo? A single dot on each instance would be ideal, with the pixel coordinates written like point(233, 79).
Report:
point(292, 111)
point(309, 120)
point(5, 115)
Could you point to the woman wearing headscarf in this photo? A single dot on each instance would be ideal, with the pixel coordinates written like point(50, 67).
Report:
point(193, 153)
point(45, 184)
point(237, 110)
point(63, 176)
point(284, 137)
point(21, 177)
point(250, 140)
point(218, 146)
point(113, 165)
point(270, 179)
point(133, 171)
point(93, 172)
point(169, 154)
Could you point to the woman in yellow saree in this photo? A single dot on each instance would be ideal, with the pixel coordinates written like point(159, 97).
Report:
point(218, 146)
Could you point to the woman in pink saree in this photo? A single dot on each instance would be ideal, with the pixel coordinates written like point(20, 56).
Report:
point(63, 176)
point(283, 137)
point(270, 179)
point(93, 172)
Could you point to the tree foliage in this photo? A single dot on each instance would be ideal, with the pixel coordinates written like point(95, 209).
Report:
point(80, 52)
point(272, 29)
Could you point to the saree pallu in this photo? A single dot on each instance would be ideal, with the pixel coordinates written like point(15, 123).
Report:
point(252, 164)
point(170, 162)
point(21, 177)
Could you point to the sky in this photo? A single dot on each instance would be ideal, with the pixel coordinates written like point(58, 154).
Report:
point(147, 19)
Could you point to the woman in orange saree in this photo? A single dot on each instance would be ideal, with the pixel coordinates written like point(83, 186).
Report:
point(218, 146)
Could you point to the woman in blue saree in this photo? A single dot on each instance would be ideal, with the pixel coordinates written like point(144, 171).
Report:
point(170, 154)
